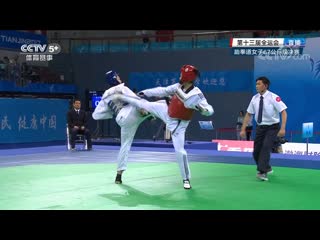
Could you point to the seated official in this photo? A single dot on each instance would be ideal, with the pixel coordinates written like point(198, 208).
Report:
point(78, 124)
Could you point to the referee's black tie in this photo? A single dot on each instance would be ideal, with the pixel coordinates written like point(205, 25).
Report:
point(260, 110)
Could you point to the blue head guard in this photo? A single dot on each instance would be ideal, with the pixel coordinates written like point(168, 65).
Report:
point(111, 77)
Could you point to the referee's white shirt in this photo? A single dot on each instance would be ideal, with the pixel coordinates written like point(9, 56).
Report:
point(272, 106)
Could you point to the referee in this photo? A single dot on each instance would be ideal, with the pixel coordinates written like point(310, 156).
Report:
point(266, 106)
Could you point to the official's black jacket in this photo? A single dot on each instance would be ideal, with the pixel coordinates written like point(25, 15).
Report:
point(75, 119)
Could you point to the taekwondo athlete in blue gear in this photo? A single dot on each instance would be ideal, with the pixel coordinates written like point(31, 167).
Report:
point(128, 117)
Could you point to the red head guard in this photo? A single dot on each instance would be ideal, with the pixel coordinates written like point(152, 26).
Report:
point(189, 73)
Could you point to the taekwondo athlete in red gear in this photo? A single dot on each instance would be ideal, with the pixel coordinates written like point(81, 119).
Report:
point(186, 98)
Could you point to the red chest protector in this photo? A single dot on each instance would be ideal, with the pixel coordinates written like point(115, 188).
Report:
point(177, 109)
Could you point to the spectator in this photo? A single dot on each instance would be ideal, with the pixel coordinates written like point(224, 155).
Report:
point(239, 124)
point(6, 62)
point(15, 73)
point(2, 70)
point(249, 129)
point(145, 39)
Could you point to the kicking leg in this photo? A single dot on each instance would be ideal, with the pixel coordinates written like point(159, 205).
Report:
point(158, 109)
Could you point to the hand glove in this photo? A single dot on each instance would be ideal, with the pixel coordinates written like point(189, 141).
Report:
point(202, 110)
point(140, 94)
point(199, 108)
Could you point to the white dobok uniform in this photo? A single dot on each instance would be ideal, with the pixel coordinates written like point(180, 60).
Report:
point(177, 115)
point(127, 117)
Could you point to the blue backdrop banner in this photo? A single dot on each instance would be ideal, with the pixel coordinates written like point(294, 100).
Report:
point(219, 81)
point(33, 120)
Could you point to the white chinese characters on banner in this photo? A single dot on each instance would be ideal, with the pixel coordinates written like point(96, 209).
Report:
point(173, 81)
point(33, 124)
point(53, 121)
point(213, 82)
point(205, 81)
point(5, 123)
point(28, 123)
point(43, 120)
point(222, 82)
point(22, 123)
point(158, 84)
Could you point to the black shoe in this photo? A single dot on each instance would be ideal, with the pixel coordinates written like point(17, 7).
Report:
point(118, 179)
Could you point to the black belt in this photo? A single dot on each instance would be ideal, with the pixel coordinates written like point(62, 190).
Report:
point(179, 121)
point(267, 126)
